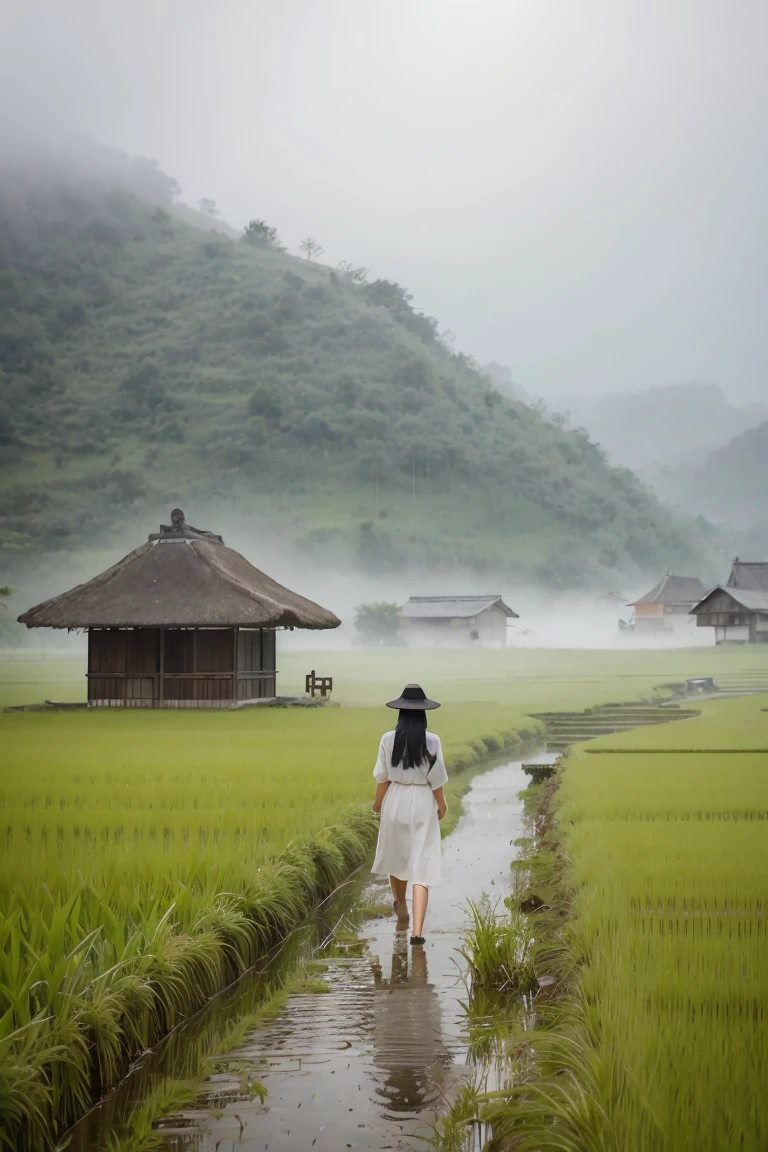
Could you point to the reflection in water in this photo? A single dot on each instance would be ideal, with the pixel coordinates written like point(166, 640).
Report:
point(407, 1032)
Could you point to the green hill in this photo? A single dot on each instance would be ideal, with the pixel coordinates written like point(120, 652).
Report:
point(145, 361)
point(730, 484)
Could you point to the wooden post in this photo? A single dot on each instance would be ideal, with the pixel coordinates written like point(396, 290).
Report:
point(161, 664)
point(195, 683)
point(235, 643)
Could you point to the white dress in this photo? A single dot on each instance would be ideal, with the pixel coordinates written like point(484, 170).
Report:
point(409, 833)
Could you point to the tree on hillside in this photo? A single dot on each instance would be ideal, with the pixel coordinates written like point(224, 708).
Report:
point(311, 249)
point(391, 295)
point(259, 233)
point(358, 275)
point(379, 623)
point(208, 208)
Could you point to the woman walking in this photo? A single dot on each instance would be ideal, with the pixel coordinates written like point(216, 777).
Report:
point(410, 774)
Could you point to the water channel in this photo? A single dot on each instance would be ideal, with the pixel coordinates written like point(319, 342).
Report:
point(373, 1062)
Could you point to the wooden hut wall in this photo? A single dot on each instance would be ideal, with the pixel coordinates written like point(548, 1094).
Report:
point(256, 663)
point(731, 620)
point(122, 666)
point(490, 626)
point(180, 667)
point(198, 666)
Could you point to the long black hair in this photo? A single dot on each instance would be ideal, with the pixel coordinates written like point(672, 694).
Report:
point(410, 745)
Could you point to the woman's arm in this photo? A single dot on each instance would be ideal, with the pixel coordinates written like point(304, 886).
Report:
point(381, 791)
point(442, 807)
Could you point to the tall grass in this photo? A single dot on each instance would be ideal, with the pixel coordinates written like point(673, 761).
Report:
point(497, 947)
point(90, 980)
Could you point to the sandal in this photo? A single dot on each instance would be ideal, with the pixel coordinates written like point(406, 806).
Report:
point(417, 939)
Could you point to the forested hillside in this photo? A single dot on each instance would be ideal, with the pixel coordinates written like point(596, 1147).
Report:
point(147, 362)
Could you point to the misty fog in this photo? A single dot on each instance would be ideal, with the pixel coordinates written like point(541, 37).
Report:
point(547, 618)
point(576, 191)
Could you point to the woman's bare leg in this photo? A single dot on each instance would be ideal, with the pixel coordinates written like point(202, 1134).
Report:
point(398, 891)
point(420, 901)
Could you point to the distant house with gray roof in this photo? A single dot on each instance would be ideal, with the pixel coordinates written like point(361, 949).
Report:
point(457, 620)
point(667, 607)
point(738, 610)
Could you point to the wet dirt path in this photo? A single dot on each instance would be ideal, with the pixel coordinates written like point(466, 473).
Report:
point(372, 1062)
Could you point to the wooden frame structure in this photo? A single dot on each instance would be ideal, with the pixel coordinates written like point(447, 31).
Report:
point(738, 610)
point(315, 685)
point(738, 616)
point(180, 667)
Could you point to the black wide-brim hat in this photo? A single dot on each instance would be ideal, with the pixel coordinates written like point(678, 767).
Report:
point(413, 697)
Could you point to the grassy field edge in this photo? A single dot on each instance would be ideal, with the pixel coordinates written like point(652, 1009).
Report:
point(55, 1065)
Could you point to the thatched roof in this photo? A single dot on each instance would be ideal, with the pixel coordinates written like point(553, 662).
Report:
point(452, 607)
point(181, 577)
point(674, 590)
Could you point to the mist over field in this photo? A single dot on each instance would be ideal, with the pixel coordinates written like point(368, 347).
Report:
point(547, 618)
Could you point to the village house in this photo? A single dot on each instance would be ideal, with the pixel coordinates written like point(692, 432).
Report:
point(738, 610)
point(181, 622)
point(666, 608)
point(457, 620)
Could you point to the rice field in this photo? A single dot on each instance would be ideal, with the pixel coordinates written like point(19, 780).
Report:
point(662, 1041)
point(521, 679)
point(148, 858)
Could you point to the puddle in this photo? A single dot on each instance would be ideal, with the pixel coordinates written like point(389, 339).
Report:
point(373, 1061)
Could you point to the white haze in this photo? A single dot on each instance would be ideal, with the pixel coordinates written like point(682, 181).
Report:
point(547, 619)
point(576, 190)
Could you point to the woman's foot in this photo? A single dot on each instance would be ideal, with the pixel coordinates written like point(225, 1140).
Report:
point(417, 939)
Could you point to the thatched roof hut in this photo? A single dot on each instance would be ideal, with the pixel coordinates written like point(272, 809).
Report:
point(182, 618)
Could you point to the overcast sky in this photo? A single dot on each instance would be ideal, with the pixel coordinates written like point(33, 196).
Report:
point(577, 189)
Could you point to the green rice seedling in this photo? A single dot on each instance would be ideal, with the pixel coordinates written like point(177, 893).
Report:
point(662, 1041)
point(497, 948)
